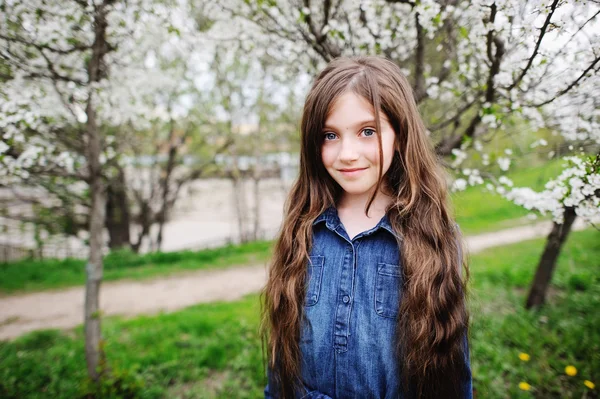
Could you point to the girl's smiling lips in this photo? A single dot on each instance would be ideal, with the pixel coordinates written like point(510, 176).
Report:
point(351, 172)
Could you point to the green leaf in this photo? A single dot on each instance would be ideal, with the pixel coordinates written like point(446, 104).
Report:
point(463, 32)
point(172, 29)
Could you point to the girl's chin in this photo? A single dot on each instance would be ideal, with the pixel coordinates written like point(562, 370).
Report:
point(350, 189)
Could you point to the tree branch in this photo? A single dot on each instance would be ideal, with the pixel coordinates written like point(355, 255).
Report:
point(320, 39)
point(449, 45)
point(562, 50)
point(572, 85)
point(82, 47)
point(537, 46)
point(419, 89)
point(454, 118)
point(445, 147)
point(412, 3)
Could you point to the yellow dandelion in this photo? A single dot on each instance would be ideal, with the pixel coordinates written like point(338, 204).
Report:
point(524, 357)
point(524, 386)
point(571, 370)
point(589, 384)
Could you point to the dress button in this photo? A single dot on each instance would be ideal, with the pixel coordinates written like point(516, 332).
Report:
point(346, 299)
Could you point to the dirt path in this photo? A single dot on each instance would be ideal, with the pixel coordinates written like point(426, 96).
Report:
point(64, 309)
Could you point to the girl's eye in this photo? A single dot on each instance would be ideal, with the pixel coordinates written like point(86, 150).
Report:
point(329, 136)
point(369, 132)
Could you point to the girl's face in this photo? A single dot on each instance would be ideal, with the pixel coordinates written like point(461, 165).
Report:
point(350, 151)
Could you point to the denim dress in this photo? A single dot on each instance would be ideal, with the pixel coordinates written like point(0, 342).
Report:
point(351, 310)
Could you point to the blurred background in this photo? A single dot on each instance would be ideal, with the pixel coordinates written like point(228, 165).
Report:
point(147, 148)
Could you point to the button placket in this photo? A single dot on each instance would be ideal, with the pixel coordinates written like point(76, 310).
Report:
point(344, 305)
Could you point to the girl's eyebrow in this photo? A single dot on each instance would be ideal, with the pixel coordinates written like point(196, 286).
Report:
point(368, 121)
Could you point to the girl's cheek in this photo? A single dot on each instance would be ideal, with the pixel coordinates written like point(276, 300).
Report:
point(374, 151)
point(327, 155)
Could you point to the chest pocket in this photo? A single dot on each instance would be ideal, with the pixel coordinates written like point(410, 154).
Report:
point(388, 283)
point(314, 276)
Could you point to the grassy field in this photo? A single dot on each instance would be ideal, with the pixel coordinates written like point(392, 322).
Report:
point(477, 211)
point(32, 275)
point(213, 351)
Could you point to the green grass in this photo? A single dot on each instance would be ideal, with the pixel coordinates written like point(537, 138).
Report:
point(35, 275)
point(479, 212)
point(536, 176)
point(149, 355)
point(213, 350)
point(565, 332)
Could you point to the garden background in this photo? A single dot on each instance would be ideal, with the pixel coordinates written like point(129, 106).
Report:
point(147, 148)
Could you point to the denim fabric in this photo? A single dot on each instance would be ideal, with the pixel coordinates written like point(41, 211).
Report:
point(351, 311)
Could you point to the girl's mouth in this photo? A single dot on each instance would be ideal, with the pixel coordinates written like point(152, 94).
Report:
point(352, 172)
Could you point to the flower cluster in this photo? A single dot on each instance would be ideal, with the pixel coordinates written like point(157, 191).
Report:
point(578, 186)
point(570, 370)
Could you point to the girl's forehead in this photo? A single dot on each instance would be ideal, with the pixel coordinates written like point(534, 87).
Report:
point(350, 107)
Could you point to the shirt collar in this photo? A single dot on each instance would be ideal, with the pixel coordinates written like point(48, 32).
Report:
point(332, 220)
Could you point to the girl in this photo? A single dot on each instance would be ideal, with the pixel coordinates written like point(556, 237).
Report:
point(364, 297)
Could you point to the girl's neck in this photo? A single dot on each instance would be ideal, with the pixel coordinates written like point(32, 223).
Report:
point(358, 203)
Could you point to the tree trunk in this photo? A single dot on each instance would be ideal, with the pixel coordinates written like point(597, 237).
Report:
point(257, 169)
point(256, 175)
point(256, 231)
point(145, 228)
point(93, 349)
point(239, 195)
point(94, 272)
point(239, 203)
point(165, 184)
point(543, 275)
point(117, 213)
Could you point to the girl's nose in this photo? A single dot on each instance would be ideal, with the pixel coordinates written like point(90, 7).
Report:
point(349, 151)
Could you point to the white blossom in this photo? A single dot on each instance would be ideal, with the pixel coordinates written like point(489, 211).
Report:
point(574, 187)
point(3, 147)
point(459, 155)
point(459, 185)
point(506, 181)
point(504, 163)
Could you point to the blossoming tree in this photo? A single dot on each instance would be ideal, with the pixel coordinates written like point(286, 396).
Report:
point(71, 77)
point(474, 66)
point(80, 83)
point(40, 130)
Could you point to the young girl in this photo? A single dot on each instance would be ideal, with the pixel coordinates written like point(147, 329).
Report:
point(365, 296)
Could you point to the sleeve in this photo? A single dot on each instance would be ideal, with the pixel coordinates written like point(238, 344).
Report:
point(267, 392)
point(270, 390)
point(468, 378)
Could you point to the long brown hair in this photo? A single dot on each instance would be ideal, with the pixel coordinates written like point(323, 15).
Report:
point(433, 318)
